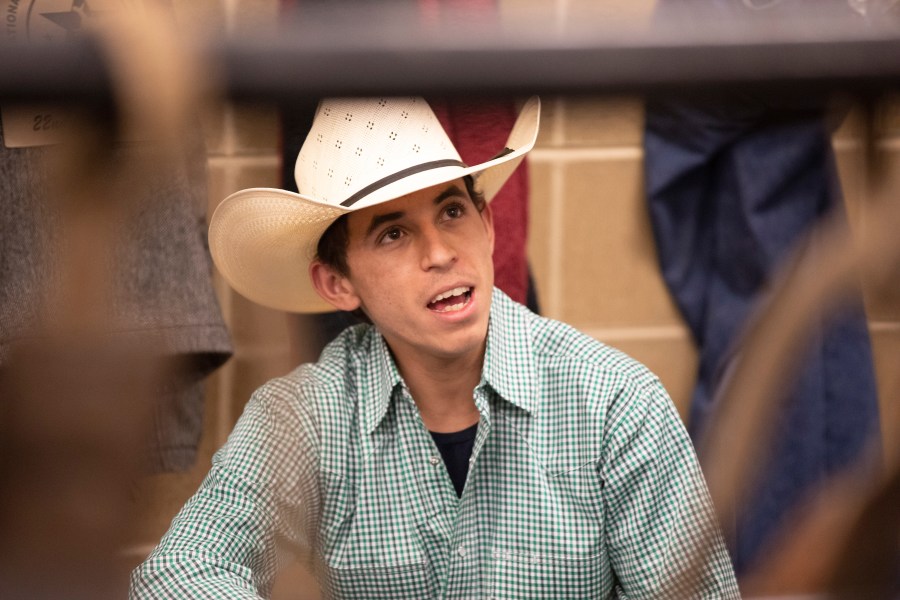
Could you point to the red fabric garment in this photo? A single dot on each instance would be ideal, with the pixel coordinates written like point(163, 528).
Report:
point(479, 130)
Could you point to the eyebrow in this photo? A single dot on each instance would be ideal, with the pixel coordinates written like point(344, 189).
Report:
point(451, 191)
point(377, 220)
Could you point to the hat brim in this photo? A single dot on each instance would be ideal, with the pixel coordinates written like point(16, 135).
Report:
point(263, 239)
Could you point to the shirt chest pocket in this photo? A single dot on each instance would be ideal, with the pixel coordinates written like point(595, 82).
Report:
point(412, 581)
point(371, 549)
point(550, 545)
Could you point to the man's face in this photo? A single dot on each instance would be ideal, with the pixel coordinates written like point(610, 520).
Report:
point(421, 268)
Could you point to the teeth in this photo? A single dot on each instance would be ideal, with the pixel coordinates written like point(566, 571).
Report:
point(454, 292)
point(453, 307)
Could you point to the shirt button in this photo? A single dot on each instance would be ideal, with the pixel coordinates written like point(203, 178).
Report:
point(434, 460)
point(471, 461)
point(461, 550)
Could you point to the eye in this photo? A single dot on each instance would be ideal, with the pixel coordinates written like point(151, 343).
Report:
point(454, 210)
point(392, 234)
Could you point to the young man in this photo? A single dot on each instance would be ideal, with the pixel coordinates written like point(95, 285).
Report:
point(459, 446)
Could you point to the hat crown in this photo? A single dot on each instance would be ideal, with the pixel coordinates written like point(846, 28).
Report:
point(356, 142)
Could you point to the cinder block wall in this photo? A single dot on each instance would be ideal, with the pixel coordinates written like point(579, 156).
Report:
point(590, 245)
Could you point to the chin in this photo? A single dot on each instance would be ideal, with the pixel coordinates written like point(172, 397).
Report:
point(464, 346)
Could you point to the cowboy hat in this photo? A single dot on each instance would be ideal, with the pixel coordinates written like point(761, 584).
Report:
point(358, 153)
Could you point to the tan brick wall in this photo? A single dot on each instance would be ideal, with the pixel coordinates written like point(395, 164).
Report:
point(590, 246)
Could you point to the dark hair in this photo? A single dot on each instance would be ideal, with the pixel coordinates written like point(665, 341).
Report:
point(332, 247)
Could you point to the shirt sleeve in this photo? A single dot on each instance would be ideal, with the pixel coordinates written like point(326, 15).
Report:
point(656, 501)
point(225, 541)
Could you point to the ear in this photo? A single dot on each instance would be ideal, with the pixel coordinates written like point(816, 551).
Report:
point(487, 217)
point(333, 287)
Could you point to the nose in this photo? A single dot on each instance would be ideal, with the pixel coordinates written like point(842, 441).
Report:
point(437, 250)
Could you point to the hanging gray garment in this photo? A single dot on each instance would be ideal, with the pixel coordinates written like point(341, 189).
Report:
point(163, 281)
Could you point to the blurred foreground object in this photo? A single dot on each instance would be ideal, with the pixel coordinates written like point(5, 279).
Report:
point(732, 186)
point(817, 282)
point(79, 385)
point(378, 48)
point(845, 539)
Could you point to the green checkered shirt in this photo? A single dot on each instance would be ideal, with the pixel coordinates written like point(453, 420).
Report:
point(582, 482)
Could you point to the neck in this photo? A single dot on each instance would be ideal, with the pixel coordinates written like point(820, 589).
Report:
point(443, 390)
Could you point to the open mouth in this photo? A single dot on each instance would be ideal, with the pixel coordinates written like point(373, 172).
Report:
point(451, 300)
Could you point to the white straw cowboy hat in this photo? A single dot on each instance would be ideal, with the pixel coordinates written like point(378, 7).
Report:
point(359, 152)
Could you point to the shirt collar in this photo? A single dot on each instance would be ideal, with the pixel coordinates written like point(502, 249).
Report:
point(508, 360)
point(508, 364)
point(383, 379)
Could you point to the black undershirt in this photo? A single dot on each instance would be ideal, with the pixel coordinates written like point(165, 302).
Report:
point(456, 448)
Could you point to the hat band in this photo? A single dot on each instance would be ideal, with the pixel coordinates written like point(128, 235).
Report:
point(434, 164)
